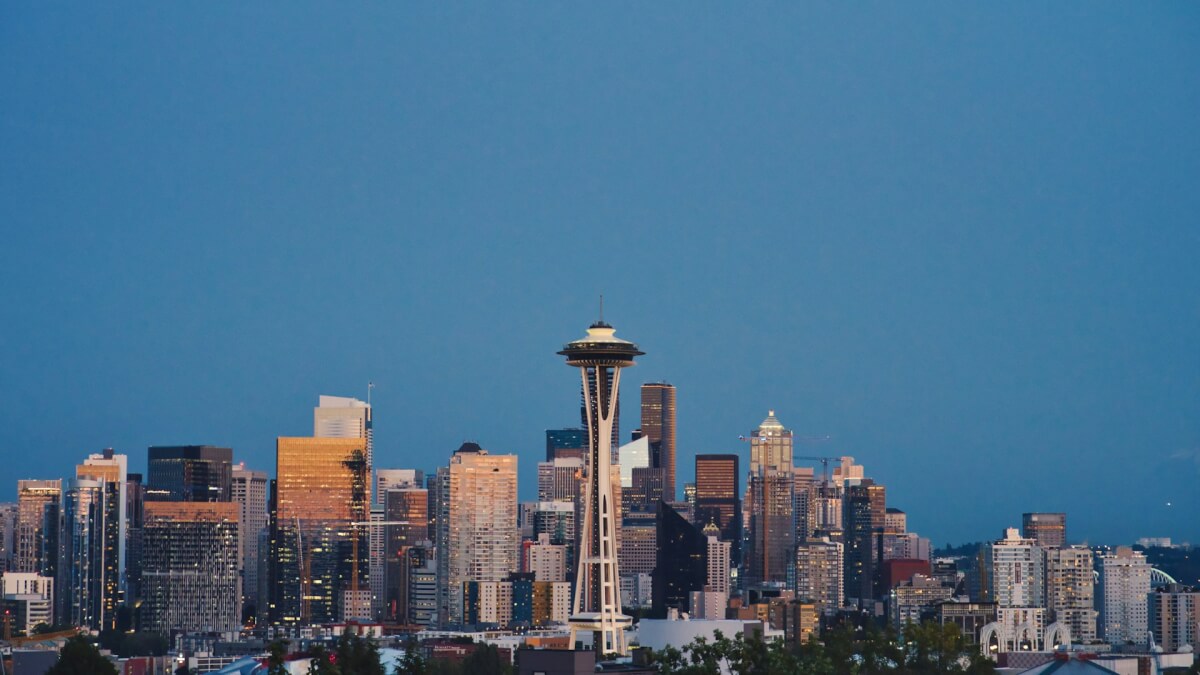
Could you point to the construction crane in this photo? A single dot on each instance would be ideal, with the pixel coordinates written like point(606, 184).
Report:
point(809, 440)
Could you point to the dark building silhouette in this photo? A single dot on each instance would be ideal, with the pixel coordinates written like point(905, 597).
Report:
point(717, 499)
point(862, 521)
point(1049, 530)
point(566, 443)
point(680, 564)
point(189, 473)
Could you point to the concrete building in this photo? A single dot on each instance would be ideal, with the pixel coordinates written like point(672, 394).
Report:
point(482, 540)
point(819, 568)
point(249, 491)
point(190, 567)
point(1175, 617)
point(547, 561)
point(1070, 591)
point(1017, 571)
point(1124, 597)
point(908, 601)
point(32, 595)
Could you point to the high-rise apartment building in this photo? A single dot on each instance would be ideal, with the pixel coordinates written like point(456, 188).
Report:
point(31, 595)
point(658, 426)
point(189, 473)
point(318, 552)
point(37, 529)
point(1124, 597)
point(1049, 530)
point(863, 510)
point(1070, 591)
point(770, 505)
point(190, 577)
point(345, 417)
point(1017, 571)
point(717, 499)
point(819, 570)
point(1174, 616)
point(249, 490)
point(482, 522)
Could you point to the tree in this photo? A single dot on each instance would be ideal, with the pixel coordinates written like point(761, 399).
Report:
point(321, 662)
point(80, 657)
point(485, 660)
point(412, 662)
point(276, 654)
point(357, 655)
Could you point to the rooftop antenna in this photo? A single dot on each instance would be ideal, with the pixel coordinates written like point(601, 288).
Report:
point(370, 386)
point(602, 307)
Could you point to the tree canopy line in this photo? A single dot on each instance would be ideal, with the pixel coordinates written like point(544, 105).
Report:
point(927, 648)
point(924, 649)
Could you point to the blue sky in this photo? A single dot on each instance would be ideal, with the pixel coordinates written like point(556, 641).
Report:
point(961, 239)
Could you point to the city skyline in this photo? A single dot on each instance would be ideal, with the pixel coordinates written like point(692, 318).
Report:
point(958, 240)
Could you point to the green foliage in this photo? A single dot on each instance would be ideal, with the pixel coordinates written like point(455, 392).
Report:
point(356, 655)
point(276, 653)
point(80, 657)
point(485, 660)
point(846, 650)
point(412, 662)
point(142, 644)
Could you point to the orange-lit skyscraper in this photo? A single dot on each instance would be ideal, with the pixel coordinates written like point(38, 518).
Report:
point(319, 554)
point(658, 424)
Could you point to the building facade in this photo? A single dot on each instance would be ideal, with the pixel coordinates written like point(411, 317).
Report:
point(482, 519)
point(1124, 599)
point(189, 473)
point(190, 568)
point(658, 426)
point(318, 551)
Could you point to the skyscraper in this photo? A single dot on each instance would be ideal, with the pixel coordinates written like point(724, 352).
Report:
point(190, 569)
point(1124, 597)
point(681, 564)
point(1049, 530)
point(600, 356)
point(95, 551)
point(658, 425)
point(770, 504)
point(37, 532)
point(864, 506)
point(190, 473)
point(345, 417)
point(482, 522)
point(407, 508)
point(249, 489)
point(319, 556)
point(717, 499)
point(1070, 591)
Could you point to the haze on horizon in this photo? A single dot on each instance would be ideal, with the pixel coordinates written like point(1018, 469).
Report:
point(959, 239)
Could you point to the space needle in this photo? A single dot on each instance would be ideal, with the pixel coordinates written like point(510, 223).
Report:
point(596, 609)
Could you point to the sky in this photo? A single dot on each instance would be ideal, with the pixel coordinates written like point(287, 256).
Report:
point(960, 239)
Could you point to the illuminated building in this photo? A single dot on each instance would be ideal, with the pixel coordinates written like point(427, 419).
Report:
point(717, 499)
point(318, 551)
point(190, 473)
point(190, 565)
point(658, 425)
